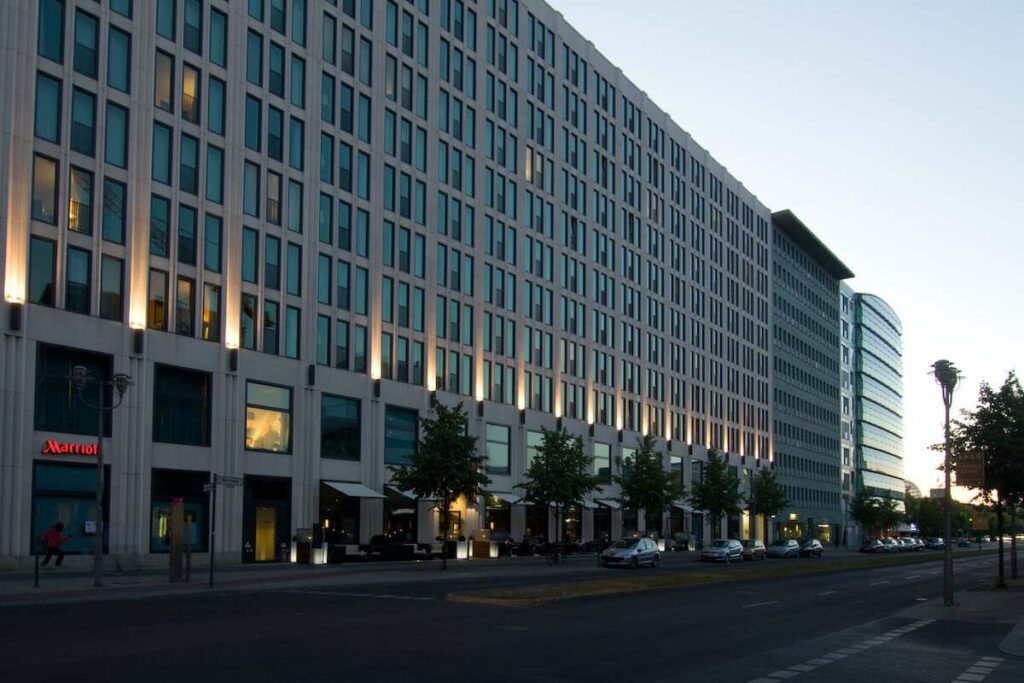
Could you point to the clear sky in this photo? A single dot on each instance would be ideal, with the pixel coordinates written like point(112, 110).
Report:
point(895, 130)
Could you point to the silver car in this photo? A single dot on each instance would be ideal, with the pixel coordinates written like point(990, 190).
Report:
point(784, 547)
point(722, 550)
point(631, 552)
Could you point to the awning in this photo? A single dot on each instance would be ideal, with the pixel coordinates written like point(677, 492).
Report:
point(679, 505)
point(351, 488)
point(509, 498)
point(608, 503)
point(408, 494)
point(589, 505)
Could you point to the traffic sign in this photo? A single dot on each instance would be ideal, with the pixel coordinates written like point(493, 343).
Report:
point(207, 488)
point(227, 481)
point(970, 470)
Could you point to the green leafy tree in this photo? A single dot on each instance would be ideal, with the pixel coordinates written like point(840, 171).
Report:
point(719, 493)
point(559, 475)
point(864, 510)
point(994, 431)
point(889, 513)
point(445, 466)
point(767, 497)
point(647, 485)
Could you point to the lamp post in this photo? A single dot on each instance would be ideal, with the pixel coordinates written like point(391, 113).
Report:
point(947, 376)
point(79, 380)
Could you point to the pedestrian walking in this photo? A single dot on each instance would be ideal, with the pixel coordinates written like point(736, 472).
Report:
point(52, 539)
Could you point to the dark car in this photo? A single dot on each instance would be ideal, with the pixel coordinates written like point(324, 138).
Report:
point(871, 545)
point(811, 548)
point(935, 544)
point(754, 550)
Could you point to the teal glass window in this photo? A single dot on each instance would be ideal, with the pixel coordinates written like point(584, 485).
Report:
point(112, 288)
point(254, 59)
point(250, 253)
point(76, 282)
point(48, 108)
point(83, 122)
point(115, 150)
point(215, 114)
point(272, 262)
point(166, 11)
point(291, 331)
point(162, 153)
point(50, 37)
point(296, 144)
point(340, 424)
point(293, 273)
point(187, 219)
point(159, 225)
point(42, 264)
point(212, 233)
point(86, 44)
point(218, 38)
point(114, 194)
point(119, 60)
point(401, 434)
point(253, 123)
point(188, 175)
point(181, 406)
point(53, 411)
point(215, 174)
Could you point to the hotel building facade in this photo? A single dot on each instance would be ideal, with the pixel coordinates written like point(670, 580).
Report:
point(292, 221)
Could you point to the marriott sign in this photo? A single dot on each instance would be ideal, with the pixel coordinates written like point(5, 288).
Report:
point(54, 447)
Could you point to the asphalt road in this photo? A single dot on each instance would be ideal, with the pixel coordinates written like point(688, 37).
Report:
point(849, 626)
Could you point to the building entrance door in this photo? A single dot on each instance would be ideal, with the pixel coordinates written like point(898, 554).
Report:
point(266, 534)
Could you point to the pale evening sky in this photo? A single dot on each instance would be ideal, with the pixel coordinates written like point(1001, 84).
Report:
point(895, 131)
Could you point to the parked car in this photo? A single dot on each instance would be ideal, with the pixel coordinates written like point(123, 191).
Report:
point(963, 542)
point(784, 547)
point(811, 548)
point(910, 544)
point(722, 550)
point(935, 544)
point(631, 552)
point(871, 545)
point(754, 550)
point(889, 545)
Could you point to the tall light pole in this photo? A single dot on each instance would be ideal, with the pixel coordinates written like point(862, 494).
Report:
point(79, 380)
point(947, 376)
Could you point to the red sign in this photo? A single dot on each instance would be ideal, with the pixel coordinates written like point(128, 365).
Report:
point(54, 447)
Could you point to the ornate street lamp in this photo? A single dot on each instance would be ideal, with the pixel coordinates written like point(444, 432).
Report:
point(79, 380)
point(947, 376)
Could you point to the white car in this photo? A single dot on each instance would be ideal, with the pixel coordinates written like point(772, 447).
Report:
point(722, 550)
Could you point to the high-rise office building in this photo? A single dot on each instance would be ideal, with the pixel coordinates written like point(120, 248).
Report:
point(878, 390)
point(806, 379)
point(851, 530)
point(291, 221)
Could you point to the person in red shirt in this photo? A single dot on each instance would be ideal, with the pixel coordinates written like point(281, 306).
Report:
point(52, 539)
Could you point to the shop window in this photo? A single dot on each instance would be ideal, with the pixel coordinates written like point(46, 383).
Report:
point(188, 486)
point(57, 408)
point(42, 265)
point(498, 438)
point(181, 406)
point(401, 434)
point(66, 493)
point(497, 514)
point(339, 427)
point(268, 416)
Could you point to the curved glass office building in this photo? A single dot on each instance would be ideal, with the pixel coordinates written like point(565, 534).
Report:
point(878, 386)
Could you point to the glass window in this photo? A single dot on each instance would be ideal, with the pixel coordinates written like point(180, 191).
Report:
point(272, 262)
point(602, 461)
point(119, 60)
point(53, 411)
point(296, 145)
point(215, 96)
point(218, 38)
point(191, 85)
point(365, 62)
point(328, 42)
point(251, 190)
point(534, 440)
point(268, 418)
point(276, 66)
point(323, 340)
point(498, 440)
point(115, 145)
point(122, 7)
point(163, 82)
point(86, 41)
point(401, 434)
point(42, 264)
point(159, 225)
point(294, 271)
point(253, 123)
point(184, 307)
point(341, 345)
point(345, 107)
point(292, 331)
point(211, 312)
point(339, 427)
point(215, 174)
point(162, 153)
point(324, 268)
point(112, 288)
point(44, 190)
point(114, 211)
point(186, 235)
point(188, 173)
point(248, 321)
point(298, 24)
point(83, 122)
point(165, 15)
point(250, 249)
point(297, 78)
point(270, 326)
point(51, 30)
point(359, 349)
point(254, 59)
point(361, 291)
point(192, 38)
point(211, 242)
point(80, 202)
point(48, 108)
point(156, 310)
point(275, 133)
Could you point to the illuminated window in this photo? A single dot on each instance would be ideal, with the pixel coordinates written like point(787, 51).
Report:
point(268, 417)
point(156, 310)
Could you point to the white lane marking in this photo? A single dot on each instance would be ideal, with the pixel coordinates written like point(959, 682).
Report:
point(979, 670)
point(878, 583)
point(760, 604)
point(819, 661)
point(912, 576)
point(828, 592)
point(784, 673)
point(765, 680)
point(803, 667)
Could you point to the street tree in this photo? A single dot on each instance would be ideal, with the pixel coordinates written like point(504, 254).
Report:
point(719, 493)
point(767, 497)
point(889, 513)
point(445, 466)
point(864, 510)
point(994, 431)
point(646, 485)
point(559, 476)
